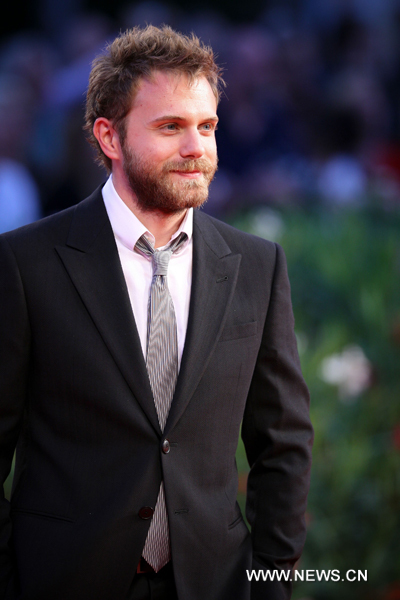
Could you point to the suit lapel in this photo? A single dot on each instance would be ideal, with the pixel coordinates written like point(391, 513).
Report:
point(91, 259)
point(215, 271)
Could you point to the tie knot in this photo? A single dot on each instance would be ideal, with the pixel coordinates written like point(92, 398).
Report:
point(161, 261)
point(160, 258)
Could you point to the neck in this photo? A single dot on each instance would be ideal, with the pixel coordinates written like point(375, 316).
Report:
point(161, 225)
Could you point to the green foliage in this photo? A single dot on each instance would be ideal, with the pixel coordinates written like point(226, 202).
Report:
point(344, 271)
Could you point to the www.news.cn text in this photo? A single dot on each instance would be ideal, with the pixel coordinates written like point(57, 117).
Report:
point(307, 575)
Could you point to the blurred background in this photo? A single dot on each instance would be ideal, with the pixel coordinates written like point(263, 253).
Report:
point(309, 146)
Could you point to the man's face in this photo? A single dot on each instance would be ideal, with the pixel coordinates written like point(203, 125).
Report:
point(169, 149)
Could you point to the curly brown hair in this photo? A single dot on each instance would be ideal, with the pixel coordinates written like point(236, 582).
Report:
point(137, 53)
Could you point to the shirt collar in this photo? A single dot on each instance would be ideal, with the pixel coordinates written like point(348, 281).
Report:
point(126, 226)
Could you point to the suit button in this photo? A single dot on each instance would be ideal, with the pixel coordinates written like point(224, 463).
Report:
point(146, 512)
point(166, 447)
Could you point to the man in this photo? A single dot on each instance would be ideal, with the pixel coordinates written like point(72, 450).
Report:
point(136, 336)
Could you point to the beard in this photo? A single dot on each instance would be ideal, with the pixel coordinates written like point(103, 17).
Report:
point(158, 191)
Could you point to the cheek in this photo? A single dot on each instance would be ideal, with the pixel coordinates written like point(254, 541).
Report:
point(212, 157)
point(148, 147)
point(161, 150)
point(211, 151)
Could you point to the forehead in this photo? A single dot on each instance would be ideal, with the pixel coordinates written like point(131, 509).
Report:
point(168, 92)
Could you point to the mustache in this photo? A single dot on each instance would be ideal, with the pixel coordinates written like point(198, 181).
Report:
point(186, 166)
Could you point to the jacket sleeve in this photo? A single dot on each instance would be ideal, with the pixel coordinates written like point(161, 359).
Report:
point(277, 435)
point(14, 367)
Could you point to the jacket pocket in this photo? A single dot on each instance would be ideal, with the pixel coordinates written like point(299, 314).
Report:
point(236, 332)
point(237, 520)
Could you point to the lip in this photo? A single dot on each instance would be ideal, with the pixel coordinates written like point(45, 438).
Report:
point(188, 174)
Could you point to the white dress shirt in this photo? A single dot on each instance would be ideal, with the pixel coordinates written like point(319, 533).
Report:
point(138, 269)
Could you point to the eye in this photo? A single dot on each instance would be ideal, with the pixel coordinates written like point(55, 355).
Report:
point(170, 127)
point(209, 127)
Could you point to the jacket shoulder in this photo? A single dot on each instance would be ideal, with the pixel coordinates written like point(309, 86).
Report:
point(52, 229)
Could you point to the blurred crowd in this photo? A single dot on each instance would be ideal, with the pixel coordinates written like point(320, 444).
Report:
point(310, 114)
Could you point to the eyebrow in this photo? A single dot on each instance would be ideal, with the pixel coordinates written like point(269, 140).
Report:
point(178, 118)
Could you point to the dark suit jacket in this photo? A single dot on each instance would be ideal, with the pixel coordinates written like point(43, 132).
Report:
point(76, 398)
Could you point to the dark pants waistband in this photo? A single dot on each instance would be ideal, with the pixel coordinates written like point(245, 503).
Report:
point(149, 585)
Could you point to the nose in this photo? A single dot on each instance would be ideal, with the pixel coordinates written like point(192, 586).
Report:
point(192, 145)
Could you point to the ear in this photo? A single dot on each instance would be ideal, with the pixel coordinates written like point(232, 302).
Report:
point(107, 137)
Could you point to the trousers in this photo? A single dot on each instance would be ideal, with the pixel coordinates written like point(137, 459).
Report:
point(154, 586)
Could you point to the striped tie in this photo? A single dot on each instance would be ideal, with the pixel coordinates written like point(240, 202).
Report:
point(162, 368)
